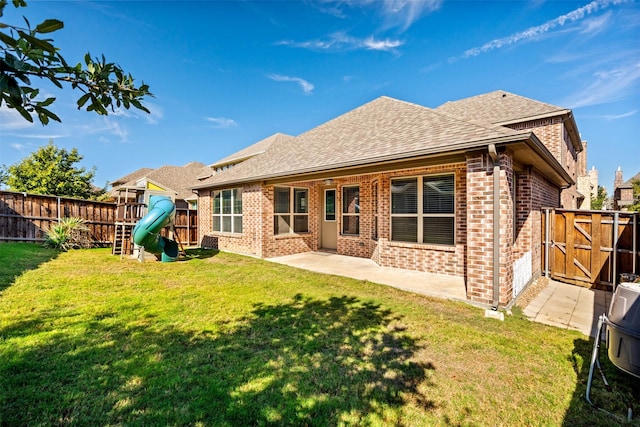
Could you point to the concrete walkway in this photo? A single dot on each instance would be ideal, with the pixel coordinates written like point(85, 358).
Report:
point(558, 304)
point(569, 306)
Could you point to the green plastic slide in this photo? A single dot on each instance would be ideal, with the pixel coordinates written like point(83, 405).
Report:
point(146, 233)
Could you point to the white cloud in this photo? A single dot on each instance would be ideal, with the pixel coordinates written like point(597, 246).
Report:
point(403, 13)
point(341, 41)
point(591, 27)
point(153, 117)
point(11, 120)
point(384, 45)
point(537, 31)
point(395, 13)
point(607, 86)
point(620, 116)
point(307, 87)
point(221, 122)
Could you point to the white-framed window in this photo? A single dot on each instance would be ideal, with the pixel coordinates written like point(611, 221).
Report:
point(423, 209)
point(227, 211)
point(351, 210)
point(291, 210)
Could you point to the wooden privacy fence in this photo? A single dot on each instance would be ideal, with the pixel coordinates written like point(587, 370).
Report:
point(27, 217)
point(590, 248)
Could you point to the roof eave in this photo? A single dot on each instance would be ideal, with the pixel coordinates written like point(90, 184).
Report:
point(547, 163)
point(235, 160)
point(345, 167)
point(568, 119)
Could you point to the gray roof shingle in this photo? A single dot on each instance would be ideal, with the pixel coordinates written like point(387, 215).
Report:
point(133, 176)
point(383, 129)
point(499, 107)
point(177, 178)
point(250, 151)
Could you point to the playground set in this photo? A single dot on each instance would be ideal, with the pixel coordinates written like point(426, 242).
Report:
point(145, 223)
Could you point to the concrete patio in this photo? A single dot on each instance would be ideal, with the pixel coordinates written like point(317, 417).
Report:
point(558, 304)
point(569, 306)
point(438, 285)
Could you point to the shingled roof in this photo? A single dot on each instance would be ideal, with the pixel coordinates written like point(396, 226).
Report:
point(133, 176)
point(629, 183)
point(504, 108)
point(500, 107)
point(175, 178)
point(382, 130)
point(252, 150)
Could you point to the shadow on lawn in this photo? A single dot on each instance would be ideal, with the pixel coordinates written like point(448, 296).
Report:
point(306, 362)
point(18, 258)
point(624, 389)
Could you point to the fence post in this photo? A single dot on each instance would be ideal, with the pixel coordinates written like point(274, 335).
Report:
point(635, 243)
point(546, 242)
point(615, 250)
point(58, 209)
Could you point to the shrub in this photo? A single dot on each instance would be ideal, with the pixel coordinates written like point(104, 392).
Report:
point(69, 233)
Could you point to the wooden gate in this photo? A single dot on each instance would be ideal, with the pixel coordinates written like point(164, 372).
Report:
point(590, 248)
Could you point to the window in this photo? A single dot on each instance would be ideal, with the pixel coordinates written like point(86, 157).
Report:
point(291, 210)
point(351, 210)
point(227, 211)
point(423, 209)
point(330, 205)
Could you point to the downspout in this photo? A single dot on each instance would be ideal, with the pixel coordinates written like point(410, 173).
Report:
point(493, 153)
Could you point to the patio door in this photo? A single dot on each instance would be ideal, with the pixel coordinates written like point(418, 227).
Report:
point(328, 220)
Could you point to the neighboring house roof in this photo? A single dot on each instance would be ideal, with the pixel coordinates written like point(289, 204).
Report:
point(178, 179)
point(381, 131)
point(504, 108)
point(629, 182)
point(246, 153)
point(205, 173)
point(133, 176)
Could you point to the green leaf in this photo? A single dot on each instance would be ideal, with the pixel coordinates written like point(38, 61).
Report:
point(49, 26)
point(8, 40)
point(24, 113)
point(39, 43)
point(53, 116)
point(47, 102)
point(4, 82)
point(83, 100)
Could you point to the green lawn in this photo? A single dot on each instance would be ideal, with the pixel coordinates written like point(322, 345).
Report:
point(221, 339)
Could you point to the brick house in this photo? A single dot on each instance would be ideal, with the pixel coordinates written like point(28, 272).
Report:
point(171, 180)
point(623, 191)
point(455, 190)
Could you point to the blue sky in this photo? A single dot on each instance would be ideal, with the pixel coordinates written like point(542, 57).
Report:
point(228, 74)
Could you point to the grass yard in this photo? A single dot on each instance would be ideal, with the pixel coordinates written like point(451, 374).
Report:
point(226, 340)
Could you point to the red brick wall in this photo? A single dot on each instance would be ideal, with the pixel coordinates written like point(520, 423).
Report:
point(480, 228)
point(287, 244)
point(259, 239)
point(448, 260)
point(248, 242)
point(205, 220)
point(471, 256)
point(554, 135)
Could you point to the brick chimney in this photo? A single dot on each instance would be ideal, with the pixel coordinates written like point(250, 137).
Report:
point(618, 180)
